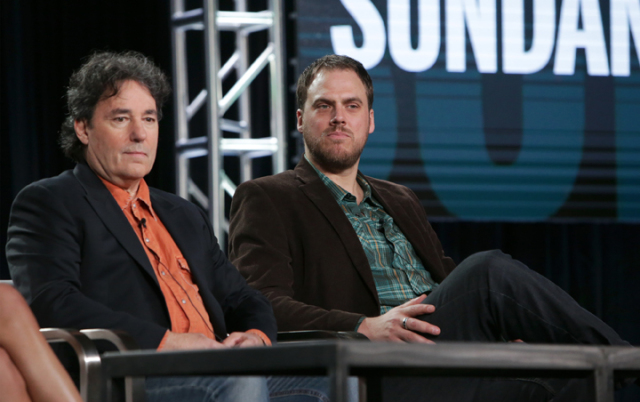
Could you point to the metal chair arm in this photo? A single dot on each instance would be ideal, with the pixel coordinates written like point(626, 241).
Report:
point(134, 386)
point(88, 358)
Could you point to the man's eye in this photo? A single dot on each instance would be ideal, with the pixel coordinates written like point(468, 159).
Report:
point(119, 119)
point(150, 119)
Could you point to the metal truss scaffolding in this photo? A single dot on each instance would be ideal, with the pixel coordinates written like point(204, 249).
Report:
point(240, 144)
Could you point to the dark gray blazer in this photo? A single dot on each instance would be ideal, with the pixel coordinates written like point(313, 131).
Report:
point(291, 240)
point(74, 256)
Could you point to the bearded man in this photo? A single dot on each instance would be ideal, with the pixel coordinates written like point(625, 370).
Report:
point(333, 249)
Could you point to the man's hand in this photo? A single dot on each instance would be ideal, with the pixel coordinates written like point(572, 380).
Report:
point(388, 327)
point(176, 341)
point(242, 340)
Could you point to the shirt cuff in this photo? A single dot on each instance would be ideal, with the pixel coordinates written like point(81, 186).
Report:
point(359, 322)
point(262, 336)
point(163, 341)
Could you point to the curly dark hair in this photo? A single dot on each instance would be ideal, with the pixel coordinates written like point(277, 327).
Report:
point(100, 78)
point(332, 62)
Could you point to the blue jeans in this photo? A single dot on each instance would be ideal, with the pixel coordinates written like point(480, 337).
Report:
point(306, 389)
point(241, 389)
point(207, 389)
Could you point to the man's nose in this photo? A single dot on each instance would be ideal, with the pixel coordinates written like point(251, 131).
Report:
point(138, 131)
point(338, 116)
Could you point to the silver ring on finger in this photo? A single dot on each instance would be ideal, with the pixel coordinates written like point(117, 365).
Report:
point(404, 323)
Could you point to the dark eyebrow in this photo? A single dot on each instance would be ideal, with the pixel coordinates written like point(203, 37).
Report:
point(353, 99)
point(348, 100)
point(120, 111)
point(127, 111)
point(323, 100)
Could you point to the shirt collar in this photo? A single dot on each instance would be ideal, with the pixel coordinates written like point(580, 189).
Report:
point(338, 192)
point(124, 199)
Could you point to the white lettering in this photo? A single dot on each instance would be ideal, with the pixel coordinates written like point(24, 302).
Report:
point(590, 37)
point(515, 60)
point(370, 22)
point(479, 17)
point(399, 24)
point(625, 14)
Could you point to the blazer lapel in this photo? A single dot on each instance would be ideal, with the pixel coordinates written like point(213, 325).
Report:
point(313, 187)
point(112, 216)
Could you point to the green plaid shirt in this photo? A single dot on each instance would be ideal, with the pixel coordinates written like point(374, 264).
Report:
point(397, 271)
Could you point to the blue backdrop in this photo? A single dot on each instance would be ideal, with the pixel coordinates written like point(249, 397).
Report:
point(511, 110)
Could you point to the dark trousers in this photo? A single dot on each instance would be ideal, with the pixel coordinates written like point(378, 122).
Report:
point(491, 297)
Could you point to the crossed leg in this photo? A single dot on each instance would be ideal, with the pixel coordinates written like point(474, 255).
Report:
point(491, 297)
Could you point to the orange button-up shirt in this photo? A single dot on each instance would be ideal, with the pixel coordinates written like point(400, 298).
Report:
point(186, 309)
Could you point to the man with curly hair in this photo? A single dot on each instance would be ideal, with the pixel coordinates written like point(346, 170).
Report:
point(95, 247)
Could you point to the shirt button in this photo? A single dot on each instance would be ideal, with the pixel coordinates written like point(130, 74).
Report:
point(184, 301)
point(147, 240)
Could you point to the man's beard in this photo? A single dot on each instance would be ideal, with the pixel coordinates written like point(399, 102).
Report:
point(320, 150)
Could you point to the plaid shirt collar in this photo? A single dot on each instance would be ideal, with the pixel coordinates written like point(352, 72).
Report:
point(341, 195)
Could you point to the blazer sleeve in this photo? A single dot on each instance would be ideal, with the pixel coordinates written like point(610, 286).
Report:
point(259, 246)
point(244, 308)
point(45, 255)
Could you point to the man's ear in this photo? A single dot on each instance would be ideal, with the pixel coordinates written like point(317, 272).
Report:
point(372, 124)
point(81, 127)
point(299, 117)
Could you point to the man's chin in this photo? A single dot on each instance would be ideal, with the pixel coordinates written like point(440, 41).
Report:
point(137, 173)
point(335, 163)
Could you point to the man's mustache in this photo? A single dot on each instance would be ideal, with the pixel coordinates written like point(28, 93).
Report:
point(340, 129)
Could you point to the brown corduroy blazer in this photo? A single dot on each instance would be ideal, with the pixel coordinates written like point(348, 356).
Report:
point(291, 240)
